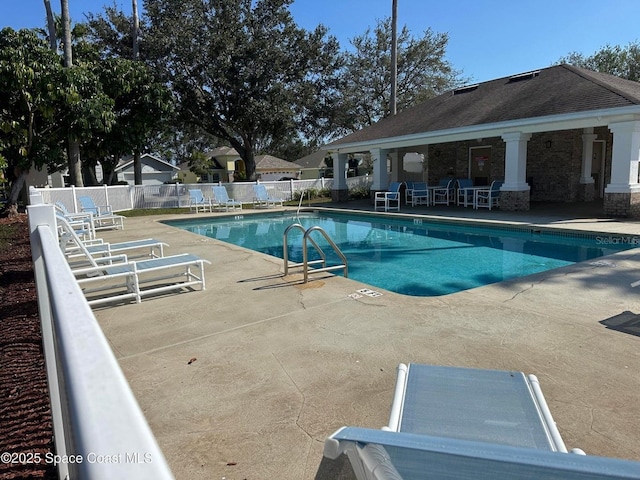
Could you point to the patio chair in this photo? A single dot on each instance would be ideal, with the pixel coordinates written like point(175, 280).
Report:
point(389, 200)
point(103, 216)
point(443, 194)
point(79, 251)
point(222, 199)
point(468, 423)
point(408, 192)
point(420, 194)
point(488, 197)
point(82, 222)
point(197, 201)
point(464, 192)
point(262, 199)
point(142, 278)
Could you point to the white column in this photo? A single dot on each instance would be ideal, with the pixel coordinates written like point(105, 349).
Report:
point(625, 157)
point(340, 161)
point(380, 176)
point(587, 155)
point(515, 162)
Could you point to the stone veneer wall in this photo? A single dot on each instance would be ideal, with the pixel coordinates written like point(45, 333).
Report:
point(514, 201)
point(622, 204)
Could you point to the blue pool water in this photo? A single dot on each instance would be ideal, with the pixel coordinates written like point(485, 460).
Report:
point(409, 256)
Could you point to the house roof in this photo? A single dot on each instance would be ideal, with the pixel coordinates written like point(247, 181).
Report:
point(552, 91)
point(222, 151)
point(313, 160)
point(126, 162)
point(269, 162)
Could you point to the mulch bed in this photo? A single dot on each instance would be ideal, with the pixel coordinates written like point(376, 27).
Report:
point(25, 413)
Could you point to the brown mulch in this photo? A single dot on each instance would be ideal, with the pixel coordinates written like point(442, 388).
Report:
point(25, 414)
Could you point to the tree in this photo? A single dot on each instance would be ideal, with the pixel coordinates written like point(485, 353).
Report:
point(241, 70)
point(623, 62)
point(31, 80)
point(422, 72)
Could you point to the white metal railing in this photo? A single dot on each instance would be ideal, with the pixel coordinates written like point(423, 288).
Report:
point(99, 429)
point(131, 197)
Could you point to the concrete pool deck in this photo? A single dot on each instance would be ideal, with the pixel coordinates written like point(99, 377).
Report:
point(246, 379)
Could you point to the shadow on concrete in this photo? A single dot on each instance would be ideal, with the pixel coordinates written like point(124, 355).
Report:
point(626, 322)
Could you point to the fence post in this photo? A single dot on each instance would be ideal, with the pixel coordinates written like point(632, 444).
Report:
point(106, 195)
point(75, 200)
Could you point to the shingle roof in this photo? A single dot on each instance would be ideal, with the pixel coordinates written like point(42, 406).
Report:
point(265, 162)
point(561, 89)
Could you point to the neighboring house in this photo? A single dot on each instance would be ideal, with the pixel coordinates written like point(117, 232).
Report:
point(185, 175)
point(226, 164)
point(556, 134)
point(155, 171)
point(320, 164)
point(269, 167)
point(313, 165)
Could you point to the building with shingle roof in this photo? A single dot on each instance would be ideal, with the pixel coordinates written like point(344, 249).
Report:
point(560, 133)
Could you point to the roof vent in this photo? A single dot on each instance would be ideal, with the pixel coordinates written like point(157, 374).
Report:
point(524, 76)
point(465, 89)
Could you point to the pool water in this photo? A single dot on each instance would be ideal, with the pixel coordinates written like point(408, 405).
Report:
point(410, 256)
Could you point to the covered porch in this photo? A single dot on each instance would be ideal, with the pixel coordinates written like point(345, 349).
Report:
point(548, 146)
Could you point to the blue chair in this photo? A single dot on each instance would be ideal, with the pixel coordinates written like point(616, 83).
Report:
point(468, 423)
point(464, 193)
point(222, 199)
point(102, 215)
point(443, 194)
point(263, 199)
point(389, 200)
point(420, 194)
point(488, 197)
point(197, 201)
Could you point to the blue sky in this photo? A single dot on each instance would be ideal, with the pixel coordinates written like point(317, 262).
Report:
point(487, 38)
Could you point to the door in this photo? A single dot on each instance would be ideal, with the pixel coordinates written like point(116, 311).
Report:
point(480, 165)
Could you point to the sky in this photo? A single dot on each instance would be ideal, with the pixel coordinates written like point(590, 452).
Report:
point(488, 39)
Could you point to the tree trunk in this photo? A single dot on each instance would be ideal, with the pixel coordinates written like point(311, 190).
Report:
point(73, 149)
point(16, 187)
point(51, 26)
point(137, 167)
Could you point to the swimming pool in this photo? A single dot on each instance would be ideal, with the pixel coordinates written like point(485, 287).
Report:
point(415, 257)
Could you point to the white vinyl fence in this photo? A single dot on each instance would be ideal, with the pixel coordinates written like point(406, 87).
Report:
point(132, 197)
point(99, 429)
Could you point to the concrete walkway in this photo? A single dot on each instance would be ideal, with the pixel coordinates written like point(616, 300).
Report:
point(246, 379)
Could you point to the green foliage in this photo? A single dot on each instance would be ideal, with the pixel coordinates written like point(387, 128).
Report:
point(32, 86)
point(422, 71)
point(359, 193)
point(620, 61)
point(242, 70)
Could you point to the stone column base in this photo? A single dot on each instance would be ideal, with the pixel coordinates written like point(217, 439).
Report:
point(340, 195)
point(625, 205)
point(587, 192)
point(512, 201)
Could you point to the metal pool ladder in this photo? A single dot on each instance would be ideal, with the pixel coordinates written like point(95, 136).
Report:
point(306, 239)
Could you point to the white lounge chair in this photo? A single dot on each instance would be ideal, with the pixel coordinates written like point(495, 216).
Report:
point(115, 278)
point(263, 199)
point(197, 201)
point(81, 222)
point(102, 215)
point(223, 201)
point(79, 251)
point(468, 423)
point(420, 194)
point(389, 200)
